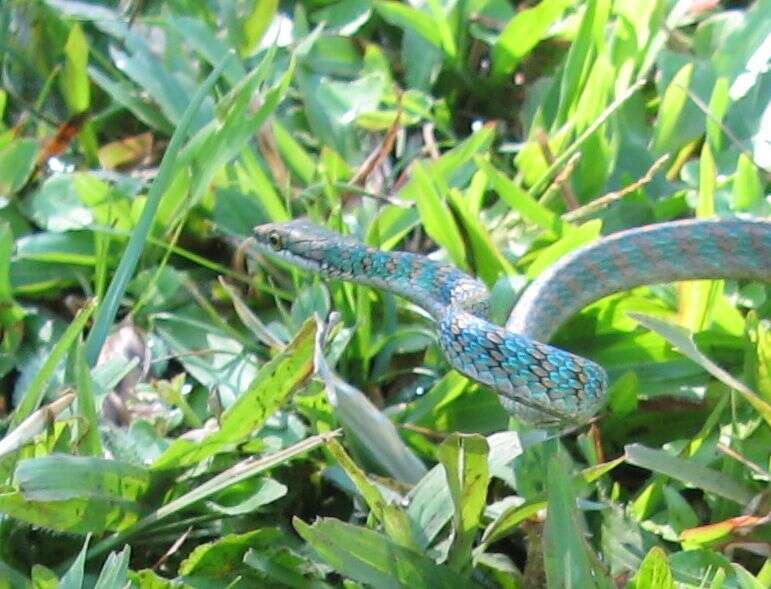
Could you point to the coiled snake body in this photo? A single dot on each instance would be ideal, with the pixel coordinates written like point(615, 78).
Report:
point(538, 383)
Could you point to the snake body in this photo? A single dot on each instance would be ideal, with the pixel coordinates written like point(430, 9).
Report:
point(538, 383)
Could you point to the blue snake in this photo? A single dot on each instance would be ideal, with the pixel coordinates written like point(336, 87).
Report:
point(536, 382)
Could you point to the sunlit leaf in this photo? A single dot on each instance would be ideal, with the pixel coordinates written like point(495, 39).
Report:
point(654, 572)
point(465, 462)
point(689, 472)
point(371, 558)
point(74, 78)
point(683, 340)
point(269, 390)
point(523, 33)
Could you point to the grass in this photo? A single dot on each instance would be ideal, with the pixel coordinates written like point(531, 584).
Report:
point(178, 412)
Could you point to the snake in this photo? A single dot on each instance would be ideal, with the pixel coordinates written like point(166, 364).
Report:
point(536, 382)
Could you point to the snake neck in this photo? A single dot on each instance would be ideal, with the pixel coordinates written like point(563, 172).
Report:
point(430, 285)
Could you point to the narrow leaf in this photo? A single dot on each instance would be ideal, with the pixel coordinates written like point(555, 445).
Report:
point(60, 476)
point(747, 185)
point(269, 390)
point(654, 572)
point(74, 76)
point(566, 552)
point(232, 476)
point(436, 216)
point(369, 557)
point(34, 425)
point(465, 462)
point(73, 578)
point(689, 472)
point(366, 422)
point(256, 23)
point(406, 17)
point(671, 109)
point(682, 339)
point(519, 200)
point(522, 33)
point(125, 271)
point(33, 396)
point(115, 570)
point(88, 425)
point(719, 103)
point(367, 488)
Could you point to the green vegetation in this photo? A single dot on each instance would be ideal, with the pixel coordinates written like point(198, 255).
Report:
point(177, 412)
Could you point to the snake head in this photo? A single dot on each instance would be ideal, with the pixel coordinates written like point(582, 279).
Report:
point(299, 242)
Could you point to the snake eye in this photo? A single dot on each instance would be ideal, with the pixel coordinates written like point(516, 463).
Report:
point(274, 239)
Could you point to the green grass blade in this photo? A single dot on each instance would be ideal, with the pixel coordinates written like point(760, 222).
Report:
point(269, 390)
point(672, 105)
point(654, 572)
point(74, 81)
point(682, 339)
point(390, 514)
point(115, 570)
point(465, 462)
point(33, 396)
point(567, 556)
point(73, 578)
point(34, 425)
point(689, 472)
point(233, 475)
point(519, 200)
point(522, 34)
point(88, 425)
point(128, 263)
point(436, 216)
point(366, 422)
point(369, 557)
point(406, 17)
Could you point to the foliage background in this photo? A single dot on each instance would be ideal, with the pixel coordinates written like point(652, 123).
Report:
point(173, 406)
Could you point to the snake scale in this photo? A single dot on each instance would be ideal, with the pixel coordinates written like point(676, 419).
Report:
point(538, 383)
